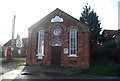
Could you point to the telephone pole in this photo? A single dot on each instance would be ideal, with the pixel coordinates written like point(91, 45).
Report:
point(12, 41)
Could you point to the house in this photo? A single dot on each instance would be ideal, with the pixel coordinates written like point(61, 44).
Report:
point(15, 51)
point(110, 35)
point(110, 47)
point(58, 40)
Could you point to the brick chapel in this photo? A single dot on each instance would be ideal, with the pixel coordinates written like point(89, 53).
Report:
point(58, 40)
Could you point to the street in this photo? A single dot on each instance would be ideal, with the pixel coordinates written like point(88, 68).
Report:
point(36, 73)
point(46, 72)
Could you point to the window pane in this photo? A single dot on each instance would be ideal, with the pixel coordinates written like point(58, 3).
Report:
point(72, 41)
point(72, 46)
point(71, 51)
point(74, 51)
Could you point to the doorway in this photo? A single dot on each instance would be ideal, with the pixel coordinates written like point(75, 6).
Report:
point(56, 53)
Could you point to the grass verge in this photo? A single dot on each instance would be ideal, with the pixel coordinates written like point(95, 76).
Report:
point(104, 68)
point(12, 61)
point(99, 68)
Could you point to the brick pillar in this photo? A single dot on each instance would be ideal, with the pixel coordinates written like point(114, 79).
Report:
point(29, 48)
point(86, 48)
point(80, 49)
point(65, 45)
point(46, 48)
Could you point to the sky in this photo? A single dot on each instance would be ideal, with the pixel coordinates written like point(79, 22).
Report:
point(28, 12)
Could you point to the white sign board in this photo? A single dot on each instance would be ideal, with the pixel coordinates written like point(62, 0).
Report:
point(65, 50)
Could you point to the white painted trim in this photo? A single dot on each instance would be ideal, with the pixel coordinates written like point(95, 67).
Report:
point(39, 55)
point(72, 56)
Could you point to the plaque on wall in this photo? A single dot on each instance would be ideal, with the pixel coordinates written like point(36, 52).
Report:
point(65, 50)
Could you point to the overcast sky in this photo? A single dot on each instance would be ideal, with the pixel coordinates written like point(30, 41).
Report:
point(29, 12)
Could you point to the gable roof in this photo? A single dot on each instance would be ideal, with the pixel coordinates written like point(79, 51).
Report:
point(24, 41)
point(68, 20)
point(109, 32)
point(9, 42)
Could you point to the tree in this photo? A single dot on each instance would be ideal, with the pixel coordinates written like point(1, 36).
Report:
point(90, 18)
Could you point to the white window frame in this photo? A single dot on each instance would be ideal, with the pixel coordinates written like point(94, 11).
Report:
point(40, 42)
point(74, 43)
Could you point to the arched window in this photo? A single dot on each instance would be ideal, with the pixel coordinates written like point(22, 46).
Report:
point(56, 43)
point(40, 44)
point(73, 43)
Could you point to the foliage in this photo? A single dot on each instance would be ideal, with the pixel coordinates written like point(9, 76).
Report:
point(91, 19)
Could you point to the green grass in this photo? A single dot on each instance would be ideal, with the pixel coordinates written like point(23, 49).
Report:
point(100, 68)
point(12, 61)
point(104, 68)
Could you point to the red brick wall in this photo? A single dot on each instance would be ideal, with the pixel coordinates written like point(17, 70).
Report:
point(29, 46)
point(32, 48)
point(46, 49)
point(86, 49)
point(65, 45)
point(82, 50)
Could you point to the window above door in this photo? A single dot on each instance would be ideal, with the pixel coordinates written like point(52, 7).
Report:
point(56, 43)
